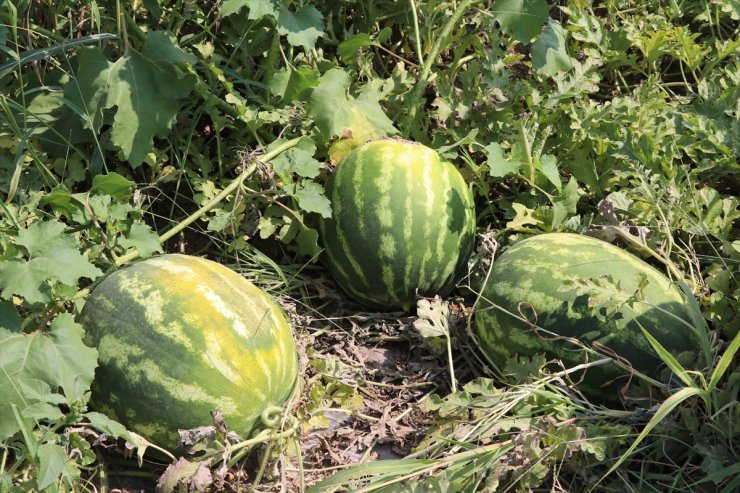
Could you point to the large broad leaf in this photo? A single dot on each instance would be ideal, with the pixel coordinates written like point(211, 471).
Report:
point(257, 8)
point(522, 19)
point(75, 115)
point(33, 367)
point(338, 113)
point(143, 239)
point(83, 94)
point(9, 318)
point(311, 197)
point(348, 49)
point(116, 430)
point(143, 89)
point(53, 255)
point(498, 164)
point(114, 185)
point(52, 459)
point(549, 54)
point(302, 27)
point(294, 84)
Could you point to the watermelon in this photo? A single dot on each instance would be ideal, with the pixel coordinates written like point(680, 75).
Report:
point(403, 220)
point(179, 337)
point(580, 287)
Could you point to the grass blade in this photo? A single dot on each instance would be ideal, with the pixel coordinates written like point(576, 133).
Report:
point(43, 53)
point(669, 359)
point(386, 470)
point(719, 475)
point(663, 411)
point(724, 362)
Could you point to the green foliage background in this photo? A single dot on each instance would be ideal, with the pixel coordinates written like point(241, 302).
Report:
point(119, 120)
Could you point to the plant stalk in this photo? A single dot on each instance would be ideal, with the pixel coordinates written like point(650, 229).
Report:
point(231, 188)
point(417, 36)
point(453, 380)
point(421, 84)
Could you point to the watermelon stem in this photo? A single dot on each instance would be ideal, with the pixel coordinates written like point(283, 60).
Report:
point(417, 38)
point(231, 188)
point(264, 436)
point(524, 141)
point(426, 68)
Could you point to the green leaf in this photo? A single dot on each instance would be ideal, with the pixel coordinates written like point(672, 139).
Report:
point(231, 7)
point(257, 8)
point(54, 255)
point(25, 426)
point(668, 358)
point(524, 368)
point(307, 240)
point(294, 84)
point(220, 220)
point(383, 470)
point(143, 239)
point(548, 165)
point(565, 205)
point(112, 184)
point(43, 410)
point(347, 49)
point(549, 53)
point(663, 411)
point(56, 49)
point(337, 112)
point(299, 160)
point(32, 366)
point(145, 88)
point(268, 225)
point(311, 198)
point(10, 320)
point(85, 94)
point(26, 279)
point(498, 165)
point(106, 425)
point(60, 252)
point(116, 430)
point(302, 27)
point(433, 318)
point(161, 48)
point(51, 459)
point(724, 362)
point(522, 19)
point(154, 9)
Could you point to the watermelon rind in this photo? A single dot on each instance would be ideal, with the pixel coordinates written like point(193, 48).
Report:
point(180, 337)
point(568, 286)
point(403, 223)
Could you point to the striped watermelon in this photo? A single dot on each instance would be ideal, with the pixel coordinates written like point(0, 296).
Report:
point(539, 278)
point(179, 337)
point(402, 219)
